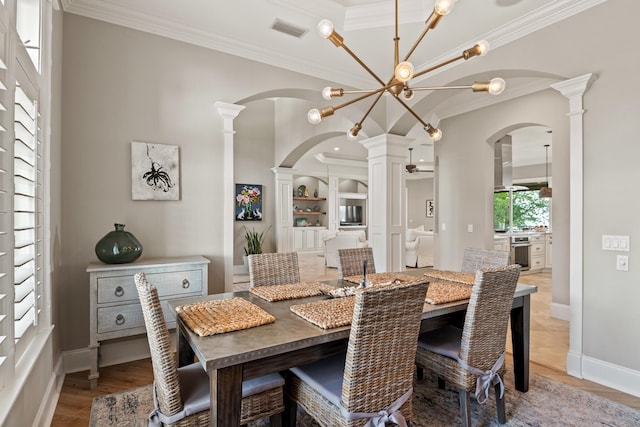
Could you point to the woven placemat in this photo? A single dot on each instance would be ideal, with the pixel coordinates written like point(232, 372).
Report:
point(273, 293)
point(327, 314)
point(452, 276)
point(381, 278)
point(222, 315)
point(443, 292)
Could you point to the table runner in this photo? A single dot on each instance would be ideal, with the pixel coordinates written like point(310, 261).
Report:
point(222, 315)
point(443, 292)
point(381, 278)
point(327, 314)
point(274, 293)
point(452, 276)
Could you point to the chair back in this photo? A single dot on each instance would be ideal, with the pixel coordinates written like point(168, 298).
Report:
point(165, 366)
point(382, 346)
point(475, 259)
point(273, 269)
point(485, 326)
point(350, 261)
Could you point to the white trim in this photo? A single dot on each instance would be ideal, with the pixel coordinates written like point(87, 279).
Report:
point(228, 112)
point(618, 377)
point(560, 311)
point(51, 396)
point(574, 90)
point(111, 353)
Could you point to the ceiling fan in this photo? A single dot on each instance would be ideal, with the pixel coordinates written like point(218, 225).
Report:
point(411, 168)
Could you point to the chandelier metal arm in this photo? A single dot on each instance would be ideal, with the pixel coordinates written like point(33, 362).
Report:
point(418, 118)
point(362, 64)
point(375, 101)
point(359, 98)
point(435, 67)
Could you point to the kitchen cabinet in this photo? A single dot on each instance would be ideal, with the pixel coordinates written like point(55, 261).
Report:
point(308, 238)
point(502, 243)
point(537, 261)
point(547, 251)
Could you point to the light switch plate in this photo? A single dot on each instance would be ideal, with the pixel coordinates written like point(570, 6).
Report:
point(615, 243)
point(622, 262)
point(470, 228)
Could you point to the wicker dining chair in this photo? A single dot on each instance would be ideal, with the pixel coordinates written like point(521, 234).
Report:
point(375, 376)
point(475, 259)
point(462, 356)
point(185, 390)
point(273, 269)
point(350, 261)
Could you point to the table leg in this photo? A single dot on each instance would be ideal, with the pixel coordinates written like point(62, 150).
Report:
point(185, 352)
point(226, 396)
point(520, 330)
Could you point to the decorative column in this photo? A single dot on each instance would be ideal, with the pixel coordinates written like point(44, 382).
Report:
point(574, 90)
point(333, 218)
point(228, 112)
point(284, 209)
point(387, 200)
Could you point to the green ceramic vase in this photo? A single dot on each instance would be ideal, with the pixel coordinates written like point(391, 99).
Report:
point(118, 247)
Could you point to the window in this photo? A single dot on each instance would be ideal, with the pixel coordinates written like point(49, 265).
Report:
point(24, 305)
point(529, 211)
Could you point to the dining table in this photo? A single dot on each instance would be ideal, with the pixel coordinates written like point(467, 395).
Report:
point(231, 357)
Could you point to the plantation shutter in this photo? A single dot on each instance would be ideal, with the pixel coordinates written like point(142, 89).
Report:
point(6, 224)
point(26, 201)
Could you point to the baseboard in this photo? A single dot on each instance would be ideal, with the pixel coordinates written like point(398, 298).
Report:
point(560, 311)
point(618, 377)
point(52, 394)
point(574, 364)
point(111, 353)
point(240, 270)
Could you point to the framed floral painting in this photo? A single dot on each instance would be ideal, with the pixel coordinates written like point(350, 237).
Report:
point(248, 202)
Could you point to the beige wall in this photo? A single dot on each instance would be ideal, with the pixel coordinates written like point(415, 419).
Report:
point(121, 85)
point(418, 192)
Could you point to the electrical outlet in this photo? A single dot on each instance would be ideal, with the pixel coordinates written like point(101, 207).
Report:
point(622, 262)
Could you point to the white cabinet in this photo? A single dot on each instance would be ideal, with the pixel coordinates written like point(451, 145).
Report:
point(114, 307)
point(308, 238)
point(537, 252)
point(547, 251)
point(501, 243)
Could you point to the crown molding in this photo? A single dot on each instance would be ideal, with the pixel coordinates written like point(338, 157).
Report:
point(332, 159)
point(105, 11)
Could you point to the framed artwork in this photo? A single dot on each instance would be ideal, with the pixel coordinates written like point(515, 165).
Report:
point(430, 208)
point(155, 171)
point(248, 202)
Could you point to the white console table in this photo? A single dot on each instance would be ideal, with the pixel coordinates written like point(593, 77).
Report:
point(115, 310)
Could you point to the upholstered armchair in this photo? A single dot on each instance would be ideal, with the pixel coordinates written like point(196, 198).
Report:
point(343, 239)
point(419, 248)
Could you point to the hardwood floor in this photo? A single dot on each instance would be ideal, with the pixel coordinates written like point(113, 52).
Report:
point(549, 346)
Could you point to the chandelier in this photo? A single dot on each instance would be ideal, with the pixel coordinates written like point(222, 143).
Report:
point(404, 72)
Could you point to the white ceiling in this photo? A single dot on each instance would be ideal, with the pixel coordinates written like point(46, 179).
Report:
point(243, 28)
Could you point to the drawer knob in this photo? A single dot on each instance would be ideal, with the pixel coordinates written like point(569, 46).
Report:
point(120, 319)
point(185, 284)
point(119, 291)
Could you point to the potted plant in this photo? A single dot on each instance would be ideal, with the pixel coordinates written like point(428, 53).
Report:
point(253, 245)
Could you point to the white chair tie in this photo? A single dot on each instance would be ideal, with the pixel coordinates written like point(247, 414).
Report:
point(486, 379)
point(379, 419)
point(158, 419)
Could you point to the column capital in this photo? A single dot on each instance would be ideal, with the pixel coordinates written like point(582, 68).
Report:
point(387, 145)
point(282, 172)
point(228, 111)
point(576, 86)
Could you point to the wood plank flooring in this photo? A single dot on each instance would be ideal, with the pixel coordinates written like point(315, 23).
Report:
point(549, 346)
